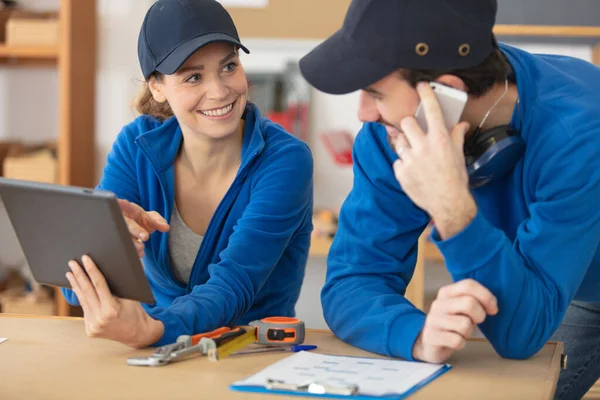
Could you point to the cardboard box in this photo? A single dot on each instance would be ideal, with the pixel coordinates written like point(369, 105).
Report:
point(32, 29)
point(32, 163)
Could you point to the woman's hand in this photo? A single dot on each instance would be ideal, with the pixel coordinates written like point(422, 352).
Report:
point(141, 223)
point(109, 317)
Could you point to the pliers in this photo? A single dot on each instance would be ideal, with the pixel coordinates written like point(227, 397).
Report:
point(187, 345)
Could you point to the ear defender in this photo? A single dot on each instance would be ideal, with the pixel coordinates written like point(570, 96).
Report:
point(492, 154)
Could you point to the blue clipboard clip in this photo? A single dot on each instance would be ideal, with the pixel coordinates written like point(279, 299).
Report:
point(312, 387)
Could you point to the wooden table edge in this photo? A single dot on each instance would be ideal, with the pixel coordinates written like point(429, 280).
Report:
point(555, 367)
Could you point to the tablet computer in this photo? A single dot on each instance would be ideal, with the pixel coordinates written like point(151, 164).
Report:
point(56, 224)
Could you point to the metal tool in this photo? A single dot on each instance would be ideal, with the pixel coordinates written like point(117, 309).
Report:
point(232, 346)
point(312, 387)
point(294, 348)
point(279, 331)
point(186, 346)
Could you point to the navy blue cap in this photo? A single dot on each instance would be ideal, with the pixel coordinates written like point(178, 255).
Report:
point(381, 36)
point(173, 30)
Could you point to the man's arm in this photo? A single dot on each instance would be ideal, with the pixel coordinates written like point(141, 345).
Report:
point(373, 256)
point(536, 274)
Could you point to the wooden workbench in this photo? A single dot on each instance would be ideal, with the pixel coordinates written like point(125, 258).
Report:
point(51, 358)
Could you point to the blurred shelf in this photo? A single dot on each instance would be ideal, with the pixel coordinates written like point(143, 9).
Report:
point(274, 22)
point(46, 53)
point(319, 247)
point(75, 60)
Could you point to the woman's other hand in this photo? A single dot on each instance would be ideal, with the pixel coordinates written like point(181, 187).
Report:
point(141, 223)
point(107, 316)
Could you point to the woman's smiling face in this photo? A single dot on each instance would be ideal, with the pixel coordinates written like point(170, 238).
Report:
point(208, 93)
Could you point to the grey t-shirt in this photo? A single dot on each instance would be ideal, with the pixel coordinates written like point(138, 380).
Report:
point(183, 246)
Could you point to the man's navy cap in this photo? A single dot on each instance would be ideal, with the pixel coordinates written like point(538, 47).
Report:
point(173, 30)
point(380, 36)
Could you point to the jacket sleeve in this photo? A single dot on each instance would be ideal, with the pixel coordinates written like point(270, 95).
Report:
point(280, 202)
point(536, 274)
point(373, 256)
point(118, 177)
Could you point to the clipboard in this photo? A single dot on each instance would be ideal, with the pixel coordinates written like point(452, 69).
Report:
point(341, 377)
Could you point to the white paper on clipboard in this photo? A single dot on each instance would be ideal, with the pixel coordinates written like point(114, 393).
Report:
point(374, 377)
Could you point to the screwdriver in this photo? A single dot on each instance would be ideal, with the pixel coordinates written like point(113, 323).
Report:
point(276, 349)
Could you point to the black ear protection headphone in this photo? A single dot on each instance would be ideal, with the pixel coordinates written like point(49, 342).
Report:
point(493, 153)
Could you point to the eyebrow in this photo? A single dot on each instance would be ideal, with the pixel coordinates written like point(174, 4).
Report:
point(372, 91)
point(183, 70)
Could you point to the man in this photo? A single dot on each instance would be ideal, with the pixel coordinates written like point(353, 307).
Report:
point(519, 228)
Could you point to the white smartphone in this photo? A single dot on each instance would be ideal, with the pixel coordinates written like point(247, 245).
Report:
point(452, 102)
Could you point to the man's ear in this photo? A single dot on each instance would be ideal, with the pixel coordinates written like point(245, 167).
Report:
point(452, 81)
point(156, 88)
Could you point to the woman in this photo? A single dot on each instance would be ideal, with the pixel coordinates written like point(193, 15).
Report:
point(236, 188)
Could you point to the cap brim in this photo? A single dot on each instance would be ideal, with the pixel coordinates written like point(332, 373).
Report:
point(334, 67)
point(179, 56)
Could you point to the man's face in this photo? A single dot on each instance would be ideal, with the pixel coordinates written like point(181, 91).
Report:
point(388, 101)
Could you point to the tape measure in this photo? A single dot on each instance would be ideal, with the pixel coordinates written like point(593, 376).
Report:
point(279, 331)
point(270, 331)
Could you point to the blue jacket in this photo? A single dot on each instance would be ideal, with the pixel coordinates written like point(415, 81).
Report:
point(534, 241)
point(251, 262)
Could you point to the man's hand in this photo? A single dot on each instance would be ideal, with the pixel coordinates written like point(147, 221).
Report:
point(431, 168)
point(106, 316)
point(141, 223)
point(453, 316)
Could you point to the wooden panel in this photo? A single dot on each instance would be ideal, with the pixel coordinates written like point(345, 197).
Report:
point(430, 251)
point(596, 54)
point(77, 75)
point(548, 30)
point(62, 308)
point(415, 292)
point(293, 19)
